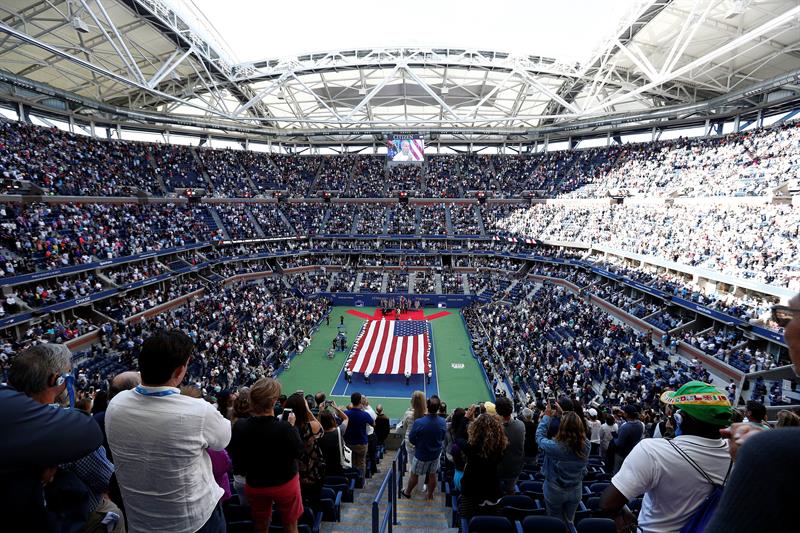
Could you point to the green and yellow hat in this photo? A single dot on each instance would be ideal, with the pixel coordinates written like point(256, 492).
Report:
point(701, 401)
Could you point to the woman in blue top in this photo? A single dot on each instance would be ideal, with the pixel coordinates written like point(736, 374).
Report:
point(565, 460)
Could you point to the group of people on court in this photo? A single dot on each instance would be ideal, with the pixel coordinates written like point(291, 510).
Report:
point(398, 306)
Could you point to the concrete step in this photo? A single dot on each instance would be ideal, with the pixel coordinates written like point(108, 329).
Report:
point(413, 515)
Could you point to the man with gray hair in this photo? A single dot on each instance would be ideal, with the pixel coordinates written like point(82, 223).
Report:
point(531, 448)
point(123, 381)
point(37, 437)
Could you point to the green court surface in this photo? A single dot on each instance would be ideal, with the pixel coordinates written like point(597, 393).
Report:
point(460, 379)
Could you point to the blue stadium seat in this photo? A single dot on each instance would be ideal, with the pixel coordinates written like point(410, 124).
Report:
point(518, 506)
point(543, 524)
point(597, 525)
point(243, 526)
point(330, 505)
point(490, 524)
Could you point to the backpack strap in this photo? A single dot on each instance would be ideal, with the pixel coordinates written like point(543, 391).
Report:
point(697, 467)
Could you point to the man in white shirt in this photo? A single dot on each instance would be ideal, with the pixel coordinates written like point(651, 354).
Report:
point(159, 439)
point(663, 470)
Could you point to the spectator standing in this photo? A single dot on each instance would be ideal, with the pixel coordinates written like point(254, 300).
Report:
point(594, 430)
point(38, 436)
point(565, 463)
point(360, 416)
point(92, 472)
point(159, 440)
point(756, 414)
point(220, 460)
point(332, 440)
point(607, 431)
point(531, 449)
point(673, 474)
point(630, 433)
point(122, 381)
point(241, 411)
point(311, 463)
point(455, 443)
point(427, 436)
point(415, 411)
point(265, 450)
point(762, 492)
point(514, 454)
point(480, 485)
point(382, 426)
point(787, 419)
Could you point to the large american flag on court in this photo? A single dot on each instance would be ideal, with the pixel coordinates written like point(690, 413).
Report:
point(391, 347)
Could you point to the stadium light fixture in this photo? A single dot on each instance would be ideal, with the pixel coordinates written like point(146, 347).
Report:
point(79, 25)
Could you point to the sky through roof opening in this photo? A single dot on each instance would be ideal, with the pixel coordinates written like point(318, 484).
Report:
point(568, 30)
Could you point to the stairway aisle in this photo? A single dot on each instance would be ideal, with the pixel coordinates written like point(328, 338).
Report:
point(414, 516)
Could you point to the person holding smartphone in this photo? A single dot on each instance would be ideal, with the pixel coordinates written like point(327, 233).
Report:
point(331, 441)
point(565, 461)
point(266, 450)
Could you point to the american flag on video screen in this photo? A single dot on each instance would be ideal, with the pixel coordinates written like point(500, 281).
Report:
point(417, 149)
point(392, 347)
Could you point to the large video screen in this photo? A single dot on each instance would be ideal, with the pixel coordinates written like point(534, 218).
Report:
point(405, 149)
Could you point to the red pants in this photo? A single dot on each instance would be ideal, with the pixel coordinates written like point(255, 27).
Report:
point(286, 497)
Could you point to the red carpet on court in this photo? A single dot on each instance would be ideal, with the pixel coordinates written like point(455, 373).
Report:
point(414, 314)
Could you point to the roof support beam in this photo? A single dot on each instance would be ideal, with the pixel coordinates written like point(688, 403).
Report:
point(317, 98)
point(536, 83)
point(427, 88)
point(271, 88)
point(765, 28)
point(5, 28)
point(375, 90)
point(127, 53)
point(692, 23)
point(168, 66)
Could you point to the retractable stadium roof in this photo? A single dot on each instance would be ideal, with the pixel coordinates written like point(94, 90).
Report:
point(141, 61)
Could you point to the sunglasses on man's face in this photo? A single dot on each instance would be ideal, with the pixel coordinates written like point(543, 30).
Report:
point(782, 314)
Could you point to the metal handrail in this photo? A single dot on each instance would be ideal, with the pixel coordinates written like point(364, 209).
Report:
point(394, 482)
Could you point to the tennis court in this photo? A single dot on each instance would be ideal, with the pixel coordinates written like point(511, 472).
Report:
point(456, 374)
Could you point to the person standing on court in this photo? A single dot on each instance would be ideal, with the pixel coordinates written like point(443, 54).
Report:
point(427, 436)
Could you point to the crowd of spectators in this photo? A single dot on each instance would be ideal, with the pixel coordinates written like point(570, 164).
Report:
point(56, 235)
point(72, 164)
point(226, 173)
point(424, 283)
point(752, 163)
point(371, 281)
point(444, 177)
point(334, 173)
point(51, 291)
point(262, 171)
point(135, 272)
point(397, 281)
point(558, 343)
point(403, 220)
point(452, 282)
point(751, 242)
point(535, 341)
point(432, 220)
point(369, 180)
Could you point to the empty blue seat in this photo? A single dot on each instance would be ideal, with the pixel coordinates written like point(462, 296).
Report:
point(490, 524)
point(243, 526)
point(543, 524)
point(518, 506)
point(597, 525)
point(598, 488)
